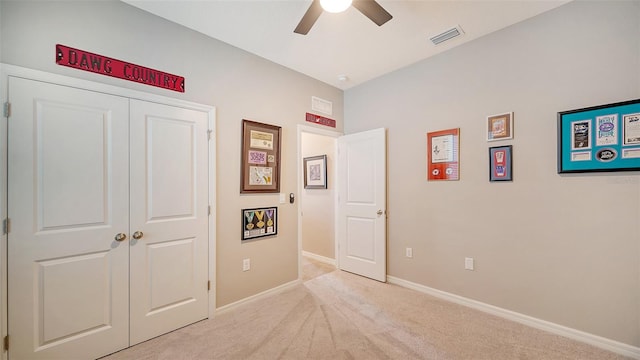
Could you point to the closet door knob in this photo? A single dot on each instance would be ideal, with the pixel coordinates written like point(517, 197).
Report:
point(120, 237)
point(138, 235)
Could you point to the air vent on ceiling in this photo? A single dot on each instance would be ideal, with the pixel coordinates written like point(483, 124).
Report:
point(447, 35)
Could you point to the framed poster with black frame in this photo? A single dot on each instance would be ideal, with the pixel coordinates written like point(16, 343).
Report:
point(500, 163)
point(259, 222)
point(260, 158)
point(600, 138)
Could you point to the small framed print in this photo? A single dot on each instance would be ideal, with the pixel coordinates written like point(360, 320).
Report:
point(500, 127)
point(259, 222)
point(315, 172)
point(500, 163)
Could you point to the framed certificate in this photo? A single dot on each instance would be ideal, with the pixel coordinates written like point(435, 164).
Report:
point(443, 148)
point(600, 138)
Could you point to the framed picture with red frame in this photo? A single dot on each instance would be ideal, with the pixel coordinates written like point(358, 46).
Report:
point(443, 151)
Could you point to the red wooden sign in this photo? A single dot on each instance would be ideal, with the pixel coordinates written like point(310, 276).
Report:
point(99, 64)
point(321, 120)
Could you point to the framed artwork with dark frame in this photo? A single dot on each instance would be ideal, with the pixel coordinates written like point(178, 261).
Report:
point(260, 158)
point(259, 222)
point(500, 163)
point(315, 172)
point(600, 138)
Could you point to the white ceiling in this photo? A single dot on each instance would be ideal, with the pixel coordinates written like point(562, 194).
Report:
point(347, 43)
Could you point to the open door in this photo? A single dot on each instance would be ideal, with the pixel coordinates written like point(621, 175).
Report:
point(362, 204)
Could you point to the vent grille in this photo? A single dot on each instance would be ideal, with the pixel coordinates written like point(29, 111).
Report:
point(447, 35)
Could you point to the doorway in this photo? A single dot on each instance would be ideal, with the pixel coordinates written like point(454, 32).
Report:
point(316, 208)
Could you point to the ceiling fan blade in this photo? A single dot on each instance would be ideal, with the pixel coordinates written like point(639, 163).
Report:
point(372, 10)
point(313, 13)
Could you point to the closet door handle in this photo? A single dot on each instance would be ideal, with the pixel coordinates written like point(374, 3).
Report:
point(138, 235)
point(120, 237)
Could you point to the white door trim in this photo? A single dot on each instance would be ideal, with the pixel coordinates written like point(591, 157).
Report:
point(6, 71)
point(317, 131)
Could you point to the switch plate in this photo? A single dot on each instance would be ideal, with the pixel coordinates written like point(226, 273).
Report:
point(468, 263)
point(408, 252)
point(282, 198)
point(246, 264)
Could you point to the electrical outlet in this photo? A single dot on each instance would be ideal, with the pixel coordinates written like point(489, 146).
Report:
point(468, 263)
point(246, 264)
point(408, 252)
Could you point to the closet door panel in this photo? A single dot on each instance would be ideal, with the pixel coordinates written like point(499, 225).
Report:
point(169, 210)
point(68, 179)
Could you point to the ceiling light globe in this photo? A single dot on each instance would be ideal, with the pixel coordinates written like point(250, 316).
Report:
point(335, 6)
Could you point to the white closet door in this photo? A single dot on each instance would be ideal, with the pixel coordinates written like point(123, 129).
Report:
point(68, 184)
point(169, 193)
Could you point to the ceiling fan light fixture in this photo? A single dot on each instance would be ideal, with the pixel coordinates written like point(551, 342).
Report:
point(335, 6)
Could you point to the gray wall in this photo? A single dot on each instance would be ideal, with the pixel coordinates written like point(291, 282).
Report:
point(560, 248)
point(240, 85)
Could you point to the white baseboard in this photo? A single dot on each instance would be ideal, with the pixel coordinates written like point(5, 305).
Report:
point(320, 258)
point(261, 295)
point(595, 340)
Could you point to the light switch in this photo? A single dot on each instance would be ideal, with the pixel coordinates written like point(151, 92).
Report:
point(468, 263)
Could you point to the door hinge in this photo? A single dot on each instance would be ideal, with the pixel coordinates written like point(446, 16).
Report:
point(6, 226)
point(209, 134)
point(7, 109)
point(209, 285)
point(209, 210)
point(6, 343)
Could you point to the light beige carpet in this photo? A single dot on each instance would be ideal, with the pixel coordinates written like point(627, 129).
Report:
point(338, 315)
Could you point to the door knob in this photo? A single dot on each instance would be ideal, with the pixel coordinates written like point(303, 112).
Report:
point(138, 235)
point(379, 212)
point(120, 237)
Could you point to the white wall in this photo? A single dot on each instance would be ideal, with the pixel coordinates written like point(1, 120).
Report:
point(562, 248)
point(318, 205)
point(239, 84)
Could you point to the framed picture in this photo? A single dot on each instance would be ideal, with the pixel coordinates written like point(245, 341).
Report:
point(259, 222)
point(260, 158)
point(500, 127)
point(500, 163)
point(315, 172)
point(443, 149)
point(600, 138)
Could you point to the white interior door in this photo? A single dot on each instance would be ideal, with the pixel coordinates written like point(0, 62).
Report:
point(362, 202)
point(68, 178)
point(169, 209)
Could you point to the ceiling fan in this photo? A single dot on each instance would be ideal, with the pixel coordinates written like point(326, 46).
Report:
point(369, 8)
